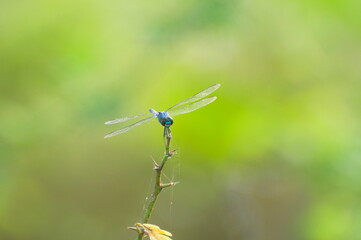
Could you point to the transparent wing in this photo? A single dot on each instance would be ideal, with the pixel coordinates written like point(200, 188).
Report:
point(191, 107)
point(198, 96)
point(125, 129)
point(123, 119)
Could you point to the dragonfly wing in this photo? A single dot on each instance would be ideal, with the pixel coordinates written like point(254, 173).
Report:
point(123, 119)
point(198, 96)
point(125, 129)
point(191, 107)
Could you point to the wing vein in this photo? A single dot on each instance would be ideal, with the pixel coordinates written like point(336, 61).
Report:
point(198, 96)
point(191, 107)
point(123, 119)
point(127, 128)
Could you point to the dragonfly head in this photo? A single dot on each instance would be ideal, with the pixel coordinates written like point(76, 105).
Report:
point(165, 119)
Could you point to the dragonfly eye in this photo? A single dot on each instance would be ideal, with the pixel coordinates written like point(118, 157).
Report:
point(167, 121)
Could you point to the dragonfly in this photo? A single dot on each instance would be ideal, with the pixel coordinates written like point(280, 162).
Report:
point(165, 117)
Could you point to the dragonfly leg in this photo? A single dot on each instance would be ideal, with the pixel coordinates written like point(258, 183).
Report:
point(167, 136)
point(167, 133)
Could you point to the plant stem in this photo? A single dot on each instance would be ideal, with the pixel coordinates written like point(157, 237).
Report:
point(158, 185)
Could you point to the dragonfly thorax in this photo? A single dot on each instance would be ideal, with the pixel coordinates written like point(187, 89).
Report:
point(165, 119)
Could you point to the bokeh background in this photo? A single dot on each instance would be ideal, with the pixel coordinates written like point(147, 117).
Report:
point(276, 157)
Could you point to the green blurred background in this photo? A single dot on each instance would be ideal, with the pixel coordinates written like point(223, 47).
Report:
point(276, 157)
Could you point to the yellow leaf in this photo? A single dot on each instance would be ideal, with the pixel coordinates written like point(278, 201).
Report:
point(154, 232)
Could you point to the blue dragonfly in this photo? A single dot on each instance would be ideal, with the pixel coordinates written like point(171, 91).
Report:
point(164, 117)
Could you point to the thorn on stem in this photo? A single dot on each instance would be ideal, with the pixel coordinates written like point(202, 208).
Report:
point(165, 185)
point(172, 152)
point(155, 165)
point(175, 183)
point(140, 231)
